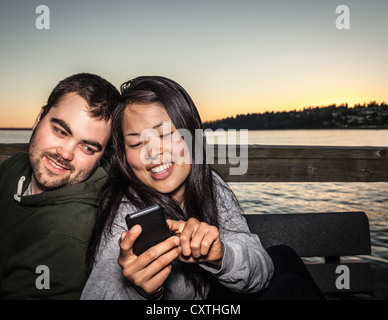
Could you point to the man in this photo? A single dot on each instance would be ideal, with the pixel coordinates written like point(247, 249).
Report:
point(49, 196)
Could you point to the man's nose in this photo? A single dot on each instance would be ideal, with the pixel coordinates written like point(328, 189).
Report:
point(66, 151)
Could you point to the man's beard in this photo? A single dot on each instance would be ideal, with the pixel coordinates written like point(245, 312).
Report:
point(47, 179)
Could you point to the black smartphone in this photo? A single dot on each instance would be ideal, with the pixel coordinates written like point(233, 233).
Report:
point(154, 227)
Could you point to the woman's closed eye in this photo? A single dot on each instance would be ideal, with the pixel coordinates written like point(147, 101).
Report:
point(135, 145)
point(163, 136)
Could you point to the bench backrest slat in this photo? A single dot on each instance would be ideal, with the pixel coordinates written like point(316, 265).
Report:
point(315, 234)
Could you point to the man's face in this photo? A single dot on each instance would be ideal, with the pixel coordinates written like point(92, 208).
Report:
point(66, 145)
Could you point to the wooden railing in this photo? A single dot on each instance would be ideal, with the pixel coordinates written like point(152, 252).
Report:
point(306, 164)
point(288, 163)
point(7, 150)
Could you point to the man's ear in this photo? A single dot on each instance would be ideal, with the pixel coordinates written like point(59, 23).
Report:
point(37, 119)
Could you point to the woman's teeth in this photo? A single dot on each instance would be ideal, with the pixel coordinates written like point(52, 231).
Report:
point(162, 168)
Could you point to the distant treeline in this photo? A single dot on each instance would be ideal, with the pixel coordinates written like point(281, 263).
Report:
point(367, 115)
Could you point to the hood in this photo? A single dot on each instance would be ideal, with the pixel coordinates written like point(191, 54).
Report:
point(83, 192)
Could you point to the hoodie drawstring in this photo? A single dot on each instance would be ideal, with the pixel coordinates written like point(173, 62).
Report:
point(18, 195)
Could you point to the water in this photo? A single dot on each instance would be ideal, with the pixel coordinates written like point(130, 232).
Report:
point(335, 137)
point(278, 198)
point(15, 136)
point(378, 138)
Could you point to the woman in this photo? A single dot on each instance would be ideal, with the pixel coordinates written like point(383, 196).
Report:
point(153, 132)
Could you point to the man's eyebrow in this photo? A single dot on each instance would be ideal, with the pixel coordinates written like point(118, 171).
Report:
point(62, 123)
point(66, 127)
point(154, 127)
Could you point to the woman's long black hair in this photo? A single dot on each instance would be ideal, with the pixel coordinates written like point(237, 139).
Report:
point(122, 183)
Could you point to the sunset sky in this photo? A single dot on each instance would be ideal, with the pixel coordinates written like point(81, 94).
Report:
point(232, 57)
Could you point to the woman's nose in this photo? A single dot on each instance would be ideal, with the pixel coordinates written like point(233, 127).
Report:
point(154, 149)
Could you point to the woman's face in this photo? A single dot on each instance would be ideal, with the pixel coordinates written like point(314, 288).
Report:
point(155, 150)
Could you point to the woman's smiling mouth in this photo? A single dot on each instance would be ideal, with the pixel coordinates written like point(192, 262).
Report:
point(161, 168)
point(161, 171)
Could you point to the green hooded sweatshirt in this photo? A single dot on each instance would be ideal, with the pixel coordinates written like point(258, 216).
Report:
point(44, 237)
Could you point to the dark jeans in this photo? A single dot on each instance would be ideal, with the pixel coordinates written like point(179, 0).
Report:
point(290, 281)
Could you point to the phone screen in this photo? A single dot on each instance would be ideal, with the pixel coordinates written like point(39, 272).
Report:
point(154, 227)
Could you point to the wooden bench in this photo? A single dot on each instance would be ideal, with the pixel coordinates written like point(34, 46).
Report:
point(330, 235)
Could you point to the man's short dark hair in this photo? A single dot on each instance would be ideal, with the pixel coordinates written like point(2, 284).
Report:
point(101, 95)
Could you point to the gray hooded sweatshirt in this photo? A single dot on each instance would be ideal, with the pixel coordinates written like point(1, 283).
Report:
point(246, 266)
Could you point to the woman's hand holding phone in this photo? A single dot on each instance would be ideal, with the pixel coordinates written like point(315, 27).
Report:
point(148, 271)
point(200, 241)
point(194, 242)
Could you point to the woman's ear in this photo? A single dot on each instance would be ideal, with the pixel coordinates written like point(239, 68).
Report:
point(37, 119)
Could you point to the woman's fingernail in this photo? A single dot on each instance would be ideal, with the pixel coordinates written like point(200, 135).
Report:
point(135, 229)
point(177, 241)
